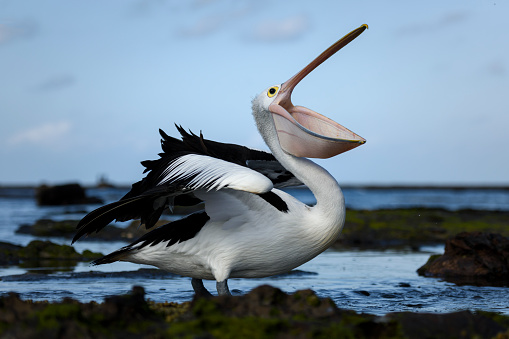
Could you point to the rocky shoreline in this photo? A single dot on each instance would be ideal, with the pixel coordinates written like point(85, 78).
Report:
point(265, 312)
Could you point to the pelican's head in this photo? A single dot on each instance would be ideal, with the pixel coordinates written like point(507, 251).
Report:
point(301, 131)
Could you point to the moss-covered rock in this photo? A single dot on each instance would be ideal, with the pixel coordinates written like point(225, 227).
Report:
point(43, 254)
point(127, 316)
point(415, 227)
point(38, 249)
point(265, 312)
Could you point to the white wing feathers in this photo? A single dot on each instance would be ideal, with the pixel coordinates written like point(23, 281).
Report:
point(204, 172)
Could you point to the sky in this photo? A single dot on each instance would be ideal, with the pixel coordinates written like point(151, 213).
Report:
point(85, 85)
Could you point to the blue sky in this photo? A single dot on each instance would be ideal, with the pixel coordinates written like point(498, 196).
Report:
point(84, 86)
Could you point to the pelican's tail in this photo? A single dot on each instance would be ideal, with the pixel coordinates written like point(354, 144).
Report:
point(109, 258)
point(172, 233)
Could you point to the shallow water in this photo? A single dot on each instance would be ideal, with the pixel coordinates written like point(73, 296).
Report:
point(375, 282)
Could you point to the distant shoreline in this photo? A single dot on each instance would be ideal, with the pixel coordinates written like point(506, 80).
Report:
point(503, 187)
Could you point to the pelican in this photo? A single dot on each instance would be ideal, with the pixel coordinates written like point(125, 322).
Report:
point(248, 227)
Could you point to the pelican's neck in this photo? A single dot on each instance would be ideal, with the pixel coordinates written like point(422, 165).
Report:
point(329, 198)
point(328, 195)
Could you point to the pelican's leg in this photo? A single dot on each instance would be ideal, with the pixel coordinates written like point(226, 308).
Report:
point(199, 289)
point(222, 288)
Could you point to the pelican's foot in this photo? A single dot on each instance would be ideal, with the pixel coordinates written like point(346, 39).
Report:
point(199, 289)
point(222, 288)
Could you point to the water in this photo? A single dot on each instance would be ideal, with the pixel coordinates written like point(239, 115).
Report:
point(490, 199)
point(375, 282)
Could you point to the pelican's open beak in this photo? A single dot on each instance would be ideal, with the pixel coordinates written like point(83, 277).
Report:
point(303, 132)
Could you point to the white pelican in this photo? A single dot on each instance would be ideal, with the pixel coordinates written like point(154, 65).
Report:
point(248, 228)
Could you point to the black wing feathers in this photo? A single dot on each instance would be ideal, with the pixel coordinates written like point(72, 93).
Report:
point(275, 200)
point(123, 210)
point(173, 232)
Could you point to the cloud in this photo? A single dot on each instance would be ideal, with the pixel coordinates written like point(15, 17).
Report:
point(205, 26)
point(446, 20)
point(497, 68)
point(282, 29)
point(56, 83)
point(45, 134)
point(143, 8)
point(10, 31)
point(213, 22)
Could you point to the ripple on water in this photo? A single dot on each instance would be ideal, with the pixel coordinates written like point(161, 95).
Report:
point(376, 282)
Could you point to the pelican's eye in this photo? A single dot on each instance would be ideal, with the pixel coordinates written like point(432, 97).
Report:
point(272, 91)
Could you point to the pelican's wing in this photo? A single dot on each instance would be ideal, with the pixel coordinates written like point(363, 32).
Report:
point(186, 165)
point(173, 181)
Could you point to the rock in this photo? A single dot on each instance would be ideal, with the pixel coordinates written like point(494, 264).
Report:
point(131, 306)
point(50, 228)
point(43, 254)
point(473, 258)
point(265, 312)
point(266, 300)
point(67, 194)
point(125, 316)
point(463, 324)
point(415, 227)
point(67, 229)
point(9, 254)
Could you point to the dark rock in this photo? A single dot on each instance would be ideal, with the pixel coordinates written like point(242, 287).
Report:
point(402, 284)
point(67, 194)
point(472, 258)
point(364, 293)
point(464, 324)
point(131, 306)
point(50, 228)
point(67, 229)
point(9, 253)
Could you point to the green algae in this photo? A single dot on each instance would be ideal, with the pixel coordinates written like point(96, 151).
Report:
point(272, 314)
point(431, 259)
point(218, 326)
point(89, 255)
point(248, 316)
point(52, 315)
point(44, 254)
point(38, 249)
point(416, 226)
point(170, 310)
point(499, 318)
